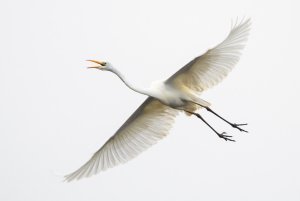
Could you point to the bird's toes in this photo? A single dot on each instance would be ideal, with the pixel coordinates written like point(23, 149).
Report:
point(226, 137)
point(240, 129)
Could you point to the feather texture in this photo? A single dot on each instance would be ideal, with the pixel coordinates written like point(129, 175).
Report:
point(209, 69)
point(148, 124)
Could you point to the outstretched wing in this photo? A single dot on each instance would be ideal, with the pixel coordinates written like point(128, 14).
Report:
point(148, 124)
point(210, 68)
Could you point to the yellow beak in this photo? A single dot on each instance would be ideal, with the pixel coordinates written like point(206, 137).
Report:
point(101, 63)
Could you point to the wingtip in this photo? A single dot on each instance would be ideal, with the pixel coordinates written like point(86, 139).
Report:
point(237, 22)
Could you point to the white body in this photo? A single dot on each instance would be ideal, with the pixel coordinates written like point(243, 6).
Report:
point(168, 94)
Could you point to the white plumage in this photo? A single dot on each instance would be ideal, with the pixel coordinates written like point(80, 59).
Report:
point(209, 69)
point(143, 129)
point(153, 119)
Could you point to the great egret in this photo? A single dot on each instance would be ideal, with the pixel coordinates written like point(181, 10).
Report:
point(153, 119)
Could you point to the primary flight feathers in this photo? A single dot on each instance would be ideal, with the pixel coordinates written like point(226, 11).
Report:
point(209, 69)
point(148, 124)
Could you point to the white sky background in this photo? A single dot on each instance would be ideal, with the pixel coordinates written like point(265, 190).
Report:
point(55, 113)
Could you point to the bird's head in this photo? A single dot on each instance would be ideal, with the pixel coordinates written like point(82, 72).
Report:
point(101, 65)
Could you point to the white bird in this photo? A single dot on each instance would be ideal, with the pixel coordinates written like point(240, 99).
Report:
point(154, 118)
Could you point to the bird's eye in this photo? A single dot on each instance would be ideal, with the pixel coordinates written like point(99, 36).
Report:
point(104, 63)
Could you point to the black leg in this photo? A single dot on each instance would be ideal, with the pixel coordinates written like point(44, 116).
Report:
point(221, 135)
point(232, 124)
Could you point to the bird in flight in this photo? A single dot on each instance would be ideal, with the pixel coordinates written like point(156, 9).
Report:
point(179, 93)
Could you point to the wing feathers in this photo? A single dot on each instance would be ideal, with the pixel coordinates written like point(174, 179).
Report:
point(209, 69)
point(148, 124)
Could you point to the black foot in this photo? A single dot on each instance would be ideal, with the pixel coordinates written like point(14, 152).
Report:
point(225, 137)
point(237, 127)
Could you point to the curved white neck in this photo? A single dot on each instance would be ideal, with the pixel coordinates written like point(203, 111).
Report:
point(146, 92)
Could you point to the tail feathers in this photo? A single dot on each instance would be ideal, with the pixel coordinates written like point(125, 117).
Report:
point(202, 102)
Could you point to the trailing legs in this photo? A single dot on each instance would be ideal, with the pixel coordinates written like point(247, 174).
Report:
point(206, 106)
point(221, 135)
point(232, 124)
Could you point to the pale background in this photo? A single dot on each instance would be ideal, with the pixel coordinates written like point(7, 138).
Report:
point(55, 113)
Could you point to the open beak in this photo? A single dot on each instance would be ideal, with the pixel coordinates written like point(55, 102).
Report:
point(100, 65)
